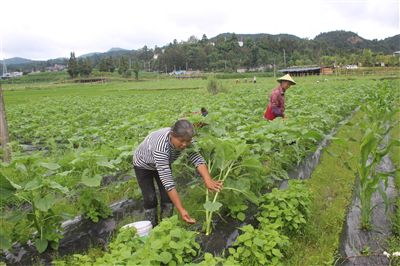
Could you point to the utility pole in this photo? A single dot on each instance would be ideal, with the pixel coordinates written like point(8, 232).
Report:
point(4, 60)
point(4, 130)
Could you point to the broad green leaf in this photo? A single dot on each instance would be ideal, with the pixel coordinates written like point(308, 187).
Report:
point(105, 164)
point(212, 206)
point(176, 233)
point(240, 149)
point(7, 180)
point(165, 257)
point(267, 146)
point(34, 184)
point(173, 263)
point(208, 256)
point(384, 197)
point(258, 242)
point(247, 252)
point(54, 245)
point(65, 173)
point(45, 203)
point(156, 244)
point(41, 245)
point(369, 143)
point(7, 188)
point(241, 216)
point(16, 216)
point(116, 161)
point(277, 253)
point(175, 245)
point(50, 166)
point(55, 185)
point(92, 181)
point(251, 162)
point(252, 197)
point(313, 134)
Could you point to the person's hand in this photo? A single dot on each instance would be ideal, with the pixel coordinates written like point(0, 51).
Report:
point(186, 217)
point(213, 185)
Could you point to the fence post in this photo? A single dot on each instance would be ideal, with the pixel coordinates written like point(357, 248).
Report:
point(4, 129)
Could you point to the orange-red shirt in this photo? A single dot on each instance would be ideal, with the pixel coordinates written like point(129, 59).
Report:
point(277, 101)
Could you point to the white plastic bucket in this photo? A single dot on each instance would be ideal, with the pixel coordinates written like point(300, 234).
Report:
point(142, 227)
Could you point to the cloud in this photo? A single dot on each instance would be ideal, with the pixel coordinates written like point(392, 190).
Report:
point(368, 17)
point(44, 29)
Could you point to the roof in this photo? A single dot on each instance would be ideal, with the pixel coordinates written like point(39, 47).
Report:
point(299, 69)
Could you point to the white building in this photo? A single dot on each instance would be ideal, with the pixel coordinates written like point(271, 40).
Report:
point(12, 75)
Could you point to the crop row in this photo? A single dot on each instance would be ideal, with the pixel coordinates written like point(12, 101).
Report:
point(83, 139)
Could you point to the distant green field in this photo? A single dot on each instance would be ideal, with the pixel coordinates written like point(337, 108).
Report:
point(56, 84)
point(23, 92)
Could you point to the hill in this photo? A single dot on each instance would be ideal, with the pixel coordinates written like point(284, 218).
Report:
point(229, 51)
point(350, 42)
point(16, 61)
point(255, 37)
point(392, 43)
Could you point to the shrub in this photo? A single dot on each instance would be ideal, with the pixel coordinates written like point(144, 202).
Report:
point(259, 246)
point(288, 208)
point(213, 86)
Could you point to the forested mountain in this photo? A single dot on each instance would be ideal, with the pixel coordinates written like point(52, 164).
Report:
point(230, 51)
point(17, 61)
point(350, 42)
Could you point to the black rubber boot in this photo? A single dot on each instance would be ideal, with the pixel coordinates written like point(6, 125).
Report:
point(167, 209)
point(152, 216)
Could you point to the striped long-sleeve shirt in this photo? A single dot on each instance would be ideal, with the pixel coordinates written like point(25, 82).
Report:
point(156, 152)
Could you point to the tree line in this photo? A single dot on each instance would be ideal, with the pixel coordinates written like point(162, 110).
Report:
point(230, 52)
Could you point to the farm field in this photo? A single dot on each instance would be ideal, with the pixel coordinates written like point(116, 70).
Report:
point(72, 148)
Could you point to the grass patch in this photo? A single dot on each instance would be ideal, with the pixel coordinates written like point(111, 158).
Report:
point(331, 185)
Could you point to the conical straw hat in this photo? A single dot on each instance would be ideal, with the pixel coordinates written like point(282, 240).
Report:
point(287, 77)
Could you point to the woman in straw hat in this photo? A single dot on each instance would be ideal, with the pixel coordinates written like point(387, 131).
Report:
point(276, 106)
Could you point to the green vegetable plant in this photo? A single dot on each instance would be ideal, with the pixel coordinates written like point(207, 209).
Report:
point(287, 208)
point(210, 260)
point(166, 244)
point(377, 125)
point(282, 212)
point(259, 246)
point(40, 194)
point(119, 251)
point(92, 204)
point(224, 160)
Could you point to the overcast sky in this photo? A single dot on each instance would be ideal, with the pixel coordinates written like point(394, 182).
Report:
point(45, 29)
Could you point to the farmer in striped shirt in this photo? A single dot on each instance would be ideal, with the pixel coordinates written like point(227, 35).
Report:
point(152, 162)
